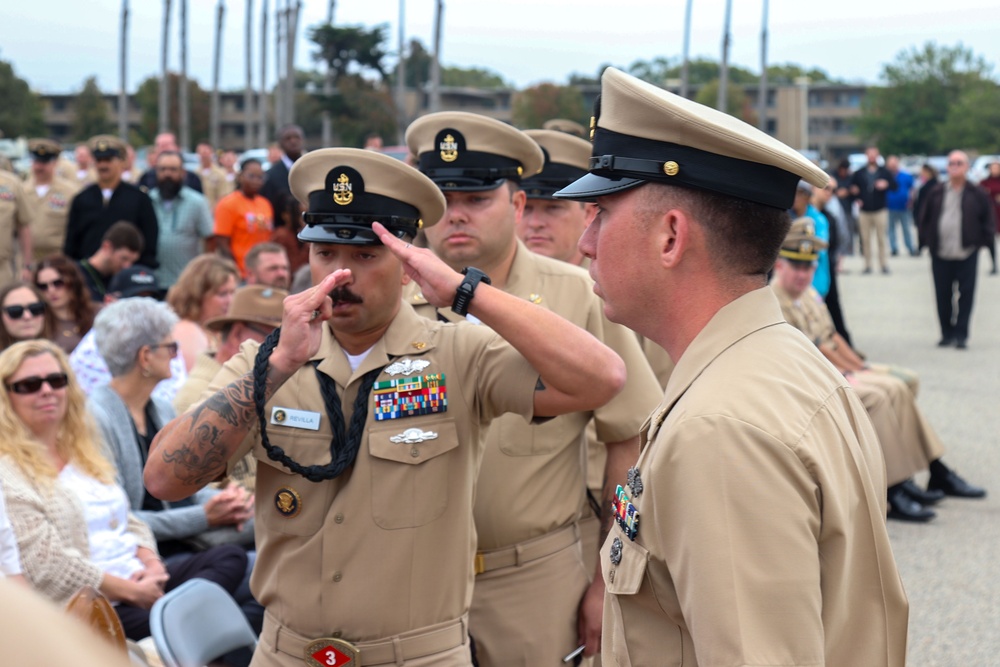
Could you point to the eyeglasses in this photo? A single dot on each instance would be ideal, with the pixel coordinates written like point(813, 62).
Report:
point(33, 384)
point(170, 347)
point(17, 312)
point(956, 163)
point(58, 283)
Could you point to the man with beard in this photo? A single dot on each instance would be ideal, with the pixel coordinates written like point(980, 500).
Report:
point(163, 143)
point(365, 539)
point(243, 218)
point(184, 219)
point(102, 204)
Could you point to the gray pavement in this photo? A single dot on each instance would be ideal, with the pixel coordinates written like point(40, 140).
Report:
point(949, 566)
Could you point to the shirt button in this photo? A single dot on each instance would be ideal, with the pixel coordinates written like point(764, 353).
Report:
point(415, 453)
point(339, 518)
point(337, 634)
point(337, 576)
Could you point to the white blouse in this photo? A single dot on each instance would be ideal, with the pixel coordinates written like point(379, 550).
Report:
point(105, 509)
point(10, 557)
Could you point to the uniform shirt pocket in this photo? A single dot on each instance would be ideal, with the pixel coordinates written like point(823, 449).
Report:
point(626, 577)
point(410, 471)
point(288, 503)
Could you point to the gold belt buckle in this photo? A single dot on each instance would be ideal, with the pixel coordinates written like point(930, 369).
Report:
point(480, 563)
point(330, 652)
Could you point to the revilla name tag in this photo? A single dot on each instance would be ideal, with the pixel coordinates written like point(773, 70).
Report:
point(295, 418)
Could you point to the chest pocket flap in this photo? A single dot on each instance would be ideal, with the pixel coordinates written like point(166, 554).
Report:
point(626, 577)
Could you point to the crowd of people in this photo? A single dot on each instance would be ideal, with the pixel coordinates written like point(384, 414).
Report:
point(160, 430)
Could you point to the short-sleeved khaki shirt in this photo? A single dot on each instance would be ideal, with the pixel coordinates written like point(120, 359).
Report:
point(50, 215)
point(808, 314)
point(388, 546)
point(15, 212)
point(761, 513)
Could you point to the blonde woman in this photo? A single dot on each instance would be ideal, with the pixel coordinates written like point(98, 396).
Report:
point(204, 290)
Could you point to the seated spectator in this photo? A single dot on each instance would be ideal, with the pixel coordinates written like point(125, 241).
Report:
point(243, 218)
point(24, 314)
point(909, 444)
point(59, 279)
point(71, 520)
point(203, 291)
point(120, 248)
point(86, 361)
point(267, 264)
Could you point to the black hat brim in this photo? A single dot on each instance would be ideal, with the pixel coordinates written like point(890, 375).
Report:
point(591, 186)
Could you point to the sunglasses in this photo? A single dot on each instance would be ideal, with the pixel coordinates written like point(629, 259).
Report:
point(171, 347)
point(17, 312)
point(34, 383)
point(58, 283)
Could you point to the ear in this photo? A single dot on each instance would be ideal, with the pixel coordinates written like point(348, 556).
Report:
point(519, 198)
point(672, 233)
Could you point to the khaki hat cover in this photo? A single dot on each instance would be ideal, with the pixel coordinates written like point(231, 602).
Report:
point(345, 190)
point(253, 304)
point(801, 244)
point(567, 158)
point(566, 126)
point(105, 146)
point(44, 150)
point(467, 152)
point(642, 134)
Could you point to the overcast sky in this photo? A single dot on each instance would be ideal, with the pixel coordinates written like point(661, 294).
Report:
point(56, 44)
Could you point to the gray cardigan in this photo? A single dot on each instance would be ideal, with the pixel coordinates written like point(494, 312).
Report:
point(115, 425)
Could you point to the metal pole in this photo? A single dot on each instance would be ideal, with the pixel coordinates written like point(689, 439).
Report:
point(262, 98)
point(164, 110)
point(248, 114)
point(182, 96)
point(762, 94)
point(724, 70)
point(213, 132)
point(685, 65)
point(292, 25)
point(123, 88)
point(279, 67)
point(401, 116)
point(436, 64)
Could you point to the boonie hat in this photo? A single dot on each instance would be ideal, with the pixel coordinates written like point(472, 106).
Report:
point(345, 190)
point(642, 134)
point(566, 159)
point(466, 152)
point(252, 304)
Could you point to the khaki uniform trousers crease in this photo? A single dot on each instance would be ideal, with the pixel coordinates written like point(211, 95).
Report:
point(877, 222)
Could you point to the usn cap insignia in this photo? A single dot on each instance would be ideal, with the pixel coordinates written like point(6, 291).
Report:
point(342, 190)
point(448, 147)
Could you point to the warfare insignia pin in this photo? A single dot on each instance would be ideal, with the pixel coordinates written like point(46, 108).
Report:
point(635, 481)
point(288, 502)
point(407, 366)
point(413, 435)
point(616, 551)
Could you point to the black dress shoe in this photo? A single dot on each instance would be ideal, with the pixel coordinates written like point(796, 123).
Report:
point(925, 498)
point(953, 485)
point(947, 341)
point(961, 344)
point(905, 508)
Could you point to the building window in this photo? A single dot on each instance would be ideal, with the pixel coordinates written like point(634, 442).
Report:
point(772, 126)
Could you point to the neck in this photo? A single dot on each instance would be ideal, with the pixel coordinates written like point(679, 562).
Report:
point(800, 210)
point(134, 389)
point(957, 183)
point(499, 269)
point(109, 184)
point(249, 194)
point(43, 179)
point(100, 262)
point(63, 312)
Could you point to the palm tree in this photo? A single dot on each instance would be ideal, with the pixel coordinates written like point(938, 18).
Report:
point(216, 69)
point(436, 63)
point(182, 95)
point(724, 69)
point(327, 131)
point(262, 104)
point(685, 66)
point(248, 88)
point(164, 111)
point(123, 88)
point(762, 92)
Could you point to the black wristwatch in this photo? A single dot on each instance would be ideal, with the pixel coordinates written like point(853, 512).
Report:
point(465, 291)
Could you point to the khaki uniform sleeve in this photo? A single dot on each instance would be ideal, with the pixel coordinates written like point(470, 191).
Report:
point(504, 380)
point(25, 215)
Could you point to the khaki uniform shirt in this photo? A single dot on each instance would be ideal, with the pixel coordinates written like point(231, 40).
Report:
point(388, 546)
point(15, 214)
point(808, 314)
point(761, 535)
point(510, 508)
point(50, 215)
point(215, 185)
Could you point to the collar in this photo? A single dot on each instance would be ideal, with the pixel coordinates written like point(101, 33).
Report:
point(288, 162)
point(735, 321)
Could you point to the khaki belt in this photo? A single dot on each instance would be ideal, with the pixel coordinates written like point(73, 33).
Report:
point(395, 650)
point(525, 552)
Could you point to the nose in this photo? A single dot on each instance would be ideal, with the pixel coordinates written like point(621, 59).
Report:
point(587, 244)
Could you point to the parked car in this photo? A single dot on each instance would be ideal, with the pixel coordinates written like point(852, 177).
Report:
point(980, 168)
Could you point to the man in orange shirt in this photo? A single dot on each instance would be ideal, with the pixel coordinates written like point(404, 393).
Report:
point(243, 218)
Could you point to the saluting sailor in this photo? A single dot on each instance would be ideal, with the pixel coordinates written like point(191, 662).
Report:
point(365, 488)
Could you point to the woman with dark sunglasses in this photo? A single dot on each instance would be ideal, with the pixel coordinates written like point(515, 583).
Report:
point(70, 517)
point(23, 314)
point(67, 295)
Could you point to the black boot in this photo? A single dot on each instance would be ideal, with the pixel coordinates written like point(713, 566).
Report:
point(905, 508)
point(923, 497)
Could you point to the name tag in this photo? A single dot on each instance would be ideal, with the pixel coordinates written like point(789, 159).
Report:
point(295, 418)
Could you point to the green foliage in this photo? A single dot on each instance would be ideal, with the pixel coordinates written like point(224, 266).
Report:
point(787, 73)
point(736, 100)
point(147, 97)
point(350, 49)
point(472, 77)
point(912, 113)
point(701, 71)
point(973, 121)
point(20, 108)
point(90, 112)
point(533, 106)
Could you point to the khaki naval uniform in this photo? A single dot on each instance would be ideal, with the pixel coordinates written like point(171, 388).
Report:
point(216, 184)
point(15, 215)
point(50, 215)
point(381, 556)
point(533, 483)
point(761, 535)
point(908, 442)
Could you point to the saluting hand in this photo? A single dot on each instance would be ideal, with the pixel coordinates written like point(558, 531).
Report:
point(302, 323)
point(437, 280)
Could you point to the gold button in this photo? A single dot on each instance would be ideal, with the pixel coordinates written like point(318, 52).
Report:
point(670, 168)
point(337, 576)
point(415, 453)
point(339, 518)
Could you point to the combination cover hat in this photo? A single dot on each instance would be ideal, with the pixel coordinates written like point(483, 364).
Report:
point(345, 190)
point(566, 159)
point(467, 152)
point(642, 134)
point(801, 244)
point(566, 126)
point(44, 150)
point(105, 146)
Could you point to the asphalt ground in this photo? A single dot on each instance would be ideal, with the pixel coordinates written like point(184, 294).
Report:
point(950, 566)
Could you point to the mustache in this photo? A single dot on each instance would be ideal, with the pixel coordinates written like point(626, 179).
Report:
point(344, 295)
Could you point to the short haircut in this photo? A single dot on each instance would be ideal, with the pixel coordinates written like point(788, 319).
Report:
point(175, 154)
point(251, 160)
point(125, 326)
point(743, 236)
point(250, 261)
point(124, 234)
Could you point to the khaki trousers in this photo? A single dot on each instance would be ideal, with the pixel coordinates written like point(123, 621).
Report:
point(590, 535)
point(877, 221)
point(525, 615)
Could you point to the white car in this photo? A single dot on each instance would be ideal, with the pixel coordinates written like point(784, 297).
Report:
point(980, 168)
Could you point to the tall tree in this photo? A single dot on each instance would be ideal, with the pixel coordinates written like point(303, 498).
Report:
point(472, 77)
point(146, 97)
point(533, 106)
point(350, 49)
point(735, 98)
point(90, 112)
point(908, 113)
point(973, 121)
point(20, 109)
